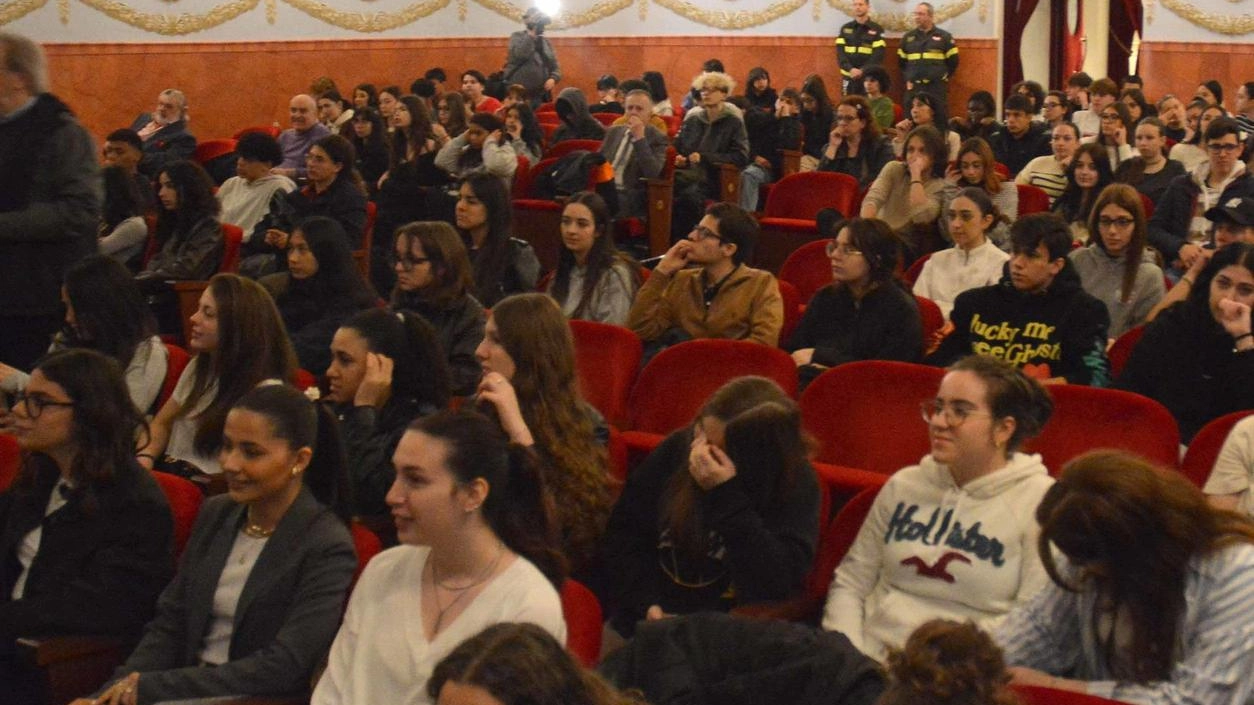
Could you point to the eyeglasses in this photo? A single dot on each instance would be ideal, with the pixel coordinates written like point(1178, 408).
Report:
point(844, 250)
point(954, 414)
point(703, 233)
point(1120, 223)
point(407, 264)
point(1218, 148)
point(34, 404)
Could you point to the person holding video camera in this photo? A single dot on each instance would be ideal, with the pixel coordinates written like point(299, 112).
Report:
point(531, 61)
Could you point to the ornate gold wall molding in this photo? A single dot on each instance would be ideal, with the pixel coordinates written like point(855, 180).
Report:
point(368, 21)
point(1213, 21)
point(904, 21)
point(171, 25)
point(564, 20)
point(10, 11)
point(722, 19)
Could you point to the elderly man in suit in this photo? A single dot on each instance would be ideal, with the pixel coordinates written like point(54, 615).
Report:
point(164, 132)
point(637, 150)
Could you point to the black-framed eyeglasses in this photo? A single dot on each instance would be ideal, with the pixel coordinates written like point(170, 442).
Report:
point(955, 414)
point(407, 264)
point(1120, 223)
point(34, 404)
point(1218, 147)
point(701, 232)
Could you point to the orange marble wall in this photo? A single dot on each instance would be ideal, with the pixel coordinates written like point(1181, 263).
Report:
point(1178, 67)
point(233, 85)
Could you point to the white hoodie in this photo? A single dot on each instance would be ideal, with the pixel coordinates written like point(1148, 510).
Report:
point(931, 549)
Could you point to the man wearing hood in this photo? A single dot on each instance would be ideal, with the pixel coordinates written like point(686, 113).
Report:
point(1180, 224)
point(577, 120)
point(1038, 317)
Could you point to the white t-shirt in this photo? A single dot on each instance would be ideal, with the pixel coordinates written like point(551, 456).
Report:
point(181, 444)
point(381, 653)
point(1234, 468)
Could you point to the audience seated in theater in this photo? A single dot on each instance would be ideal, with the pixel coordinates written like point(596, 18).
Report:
point(1113, 268)
point(1233, 222)
point(1035, 93)
point(123, 232)
point(297, 140)
point(758, 90)
point(724, 512)
point(522, 132)
point(1056, 110)
point(951, 537)
point(1088, 173)
point(1128, 544)
point(1243, 107)
point(1049, 173)
point(334, 190)
point(370, 143)
point(594, 281)
point(1195, 357)
point(1211, 91)
point(237, 342)
point(1150, 172)
point(926, 109)
point(515, 93)
point(277, 538)
point(855, 145)
point(721, 297)
point(1138, 107)
point(1229, 484)
point(123, 148)
point(817, 116)
point(692, 98)
point(433, 279)
point(530, 386)
point(974, 261)
point(980, 120)
point(365, 95)
point(1115, 135)
point(609, 97)
point(948, 663)
point(164, 132)
point(1192, 151)
point(577, 120)
point(1077, 90)
point(386, 370)
point(876, 82)
point(1021, 139)
point(501, 265)
point(635, 84)
point(519, 664)
point(912, 212)
point(1037, 317)
point(334, 112)
point(1180, 222)
point(245, 197)
point(662, 105)
point(389, 98)
point(437, 78)
point(119, 325)
point(482, 149)
point(473, 84)
point(976, 168)
point(636, 150)
point(1101, 93)
point(1171, 112)
point(451, 115)
point(474, 519)
point(320, 288)
point(188, 235)
point(865, 313)
point(87, 536)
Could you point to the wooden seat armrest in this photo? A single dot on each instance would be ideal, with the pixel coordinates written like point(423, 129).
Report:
point(729, 183)
point(789, 162)
point(48, 650)
point(796, 609)
point(660, 199)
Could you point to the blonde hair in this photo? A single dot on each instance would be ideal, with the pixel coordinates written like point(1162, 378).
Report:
point(714, 79)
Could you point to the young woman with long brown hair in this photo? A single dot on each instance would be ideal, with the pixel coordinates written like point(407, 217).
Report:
point(1150, 592)
point(529, 381)
point(729, 501)
point(594, 280)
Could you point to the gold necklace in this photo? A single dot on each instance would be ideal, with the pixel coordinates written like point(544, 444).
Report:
point(463, 590)
point(253, 530)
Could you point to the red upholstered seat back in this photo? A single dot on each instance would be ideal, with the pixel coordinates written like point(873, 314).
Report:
point(582, 612)
point(176, 361)
point(808, 268)
point(1203, 451)
point(1032, 199)
point(607, 359)
point(1088, 418)
point(835, 540)
point(803, 195)
point(185, 499)
point(1119, 353)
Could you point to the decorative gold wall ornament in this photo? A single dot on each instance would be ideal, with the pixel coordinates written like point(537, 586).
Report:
point(563, 20)
point(272, 11)
point(904, 21)
point(732, 20)
point(63, 11)
point(10, 11)
point(172, 25)
point(1213, 21)
point(368, 21)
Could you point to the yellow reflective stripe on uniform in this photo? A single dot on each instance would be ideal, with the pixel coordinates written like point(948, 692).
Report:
point(933, 55)
point(911, 57)
point(861, 50)
point(951, 52)
point(878, 43)
point(840, 41)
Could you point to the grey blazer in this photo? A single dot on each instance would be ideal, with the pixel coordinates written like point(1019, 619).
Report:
point(288, 612)
point(647, 160)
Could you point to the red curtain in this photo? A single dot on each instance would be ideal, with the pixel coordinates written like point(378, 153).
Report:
point(1070, 44)
point(1018, 12)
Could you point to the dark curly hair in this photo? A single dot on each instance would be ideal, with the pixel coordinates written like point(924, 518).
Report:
point(948, 663)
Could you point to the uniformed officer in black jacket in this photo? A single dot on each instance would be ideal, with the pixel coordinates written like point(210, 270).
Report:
point(928, 56)
point(859, 44)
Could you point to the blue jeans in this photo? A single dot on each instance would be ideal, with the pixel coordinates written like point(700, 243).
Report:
point(751, 180)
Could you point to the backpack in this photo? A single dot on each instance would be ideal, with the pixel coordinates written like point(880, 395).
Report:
point(569, 174)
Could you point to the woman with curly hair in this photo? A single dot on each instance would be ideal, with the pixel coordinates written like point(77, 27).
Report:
point(948, 663)
point(723, 512)
point(529, 381)
point(1149, 593)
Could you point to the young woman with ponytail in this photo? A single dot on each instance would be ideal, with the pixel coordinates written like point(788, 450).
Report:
point(478, 547)
point(257, 599)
